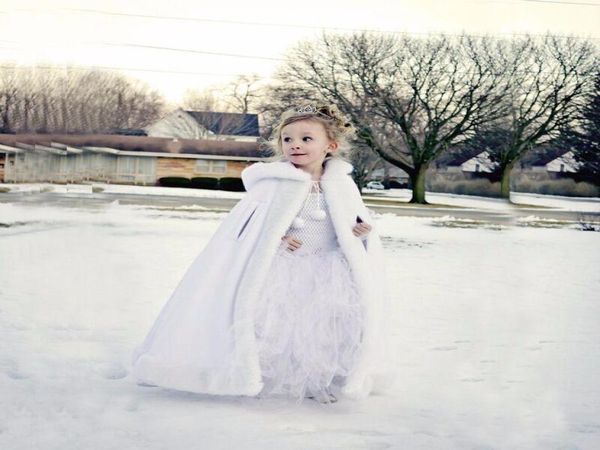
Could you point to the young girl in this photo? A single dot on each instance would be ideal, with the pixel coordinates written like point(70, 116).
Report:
point(287, 298)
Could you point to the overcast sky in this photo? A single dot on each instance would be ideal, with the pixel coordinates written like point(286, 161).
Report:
point(178, 44)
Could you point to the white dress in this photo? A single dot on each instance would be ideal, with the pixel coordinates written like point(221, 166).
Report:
point(309, 321)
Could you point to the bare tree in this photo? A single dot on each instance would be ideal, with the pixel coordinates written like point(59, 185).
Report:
point(202, 100)
point(242, 94)
point(9, 94)
point(549, 79)
point(585, 139)
point(280, 96)
point(55, 99)
point(365, 161)
point(435, 92)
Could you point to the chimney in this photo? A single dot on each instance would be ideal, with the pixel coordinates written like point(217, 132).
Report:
point(174, 146)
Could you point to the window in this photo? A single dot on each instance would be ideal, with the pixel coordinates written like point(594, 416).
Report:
point(134, 169)
point(211, 166)
point(562, 167)
point(146, 166)
point(476, 167)
point(127, 164)
point(135, 165)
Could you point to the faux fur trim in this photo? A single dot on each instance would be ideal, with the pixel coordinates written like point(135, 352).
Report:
point(279, 169)
point(334, 168)
point(286, 201)
point(229, 380)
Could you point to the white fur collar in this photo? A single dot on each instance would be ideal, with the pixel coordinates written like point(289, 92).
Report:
point(334, 168)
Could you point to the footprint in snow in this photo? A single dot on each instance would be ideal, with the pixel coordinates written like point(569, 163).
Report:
point(16, 374)
point(111, 371)
point(444, 348)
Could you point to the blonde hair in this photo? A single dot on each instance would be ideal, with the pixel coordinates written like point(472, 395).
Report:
point(337, 127)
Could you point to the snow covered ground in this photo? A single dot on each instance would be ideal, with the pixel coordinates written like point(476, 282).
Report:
point(590, 204)
point(583, 204)
point(496, 333)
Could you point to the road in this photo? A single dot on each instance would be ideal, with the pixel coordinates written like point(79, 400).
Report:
point(494, 216)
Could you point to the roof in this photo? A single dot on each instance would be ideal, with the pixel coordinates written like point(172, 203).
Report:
point(235, 124)
point(457, 157)
point(140, 143)
point(542, 156)
point(537, 157)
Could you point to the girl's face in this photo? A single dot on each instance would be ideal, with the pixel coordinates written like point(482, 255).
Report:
point(305, 144)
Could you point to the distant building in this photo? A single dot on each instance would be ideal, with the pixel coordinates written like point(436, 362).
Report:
point(206, 125)
point(119, 159)
point(466, 164)
point(548, 163)
point(391, 173)
point(479, 163)
point(564, 163)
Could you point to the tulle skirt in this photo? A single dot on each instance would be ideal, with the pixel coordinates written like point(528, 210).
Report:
point(308, 325)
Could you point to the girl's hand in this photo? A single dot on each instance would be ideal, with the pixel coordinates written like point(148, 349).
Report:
point(361, 229)
point(292, 243)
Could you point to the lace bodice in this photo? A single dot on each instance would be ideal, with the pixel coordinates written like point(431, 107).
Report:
point(312, 226)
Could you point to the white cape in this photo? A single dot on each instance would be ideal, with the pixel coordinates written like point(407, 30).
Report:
point(203, 339)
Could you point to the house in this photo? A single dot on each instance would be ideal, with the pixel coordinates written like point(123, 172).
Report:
point(393, 174)
point(206, 125)
point(564, 163)
point(479, 163)
point(548, 163)
point(466, 164)
point(119, 159)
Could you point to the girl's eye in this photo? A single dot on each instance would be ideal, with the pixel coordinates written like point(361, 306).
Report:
point(286, 139)
point(307, 138)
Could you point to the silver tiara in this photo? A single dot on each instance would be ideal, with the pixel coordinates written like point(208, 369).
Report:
point(307, 109)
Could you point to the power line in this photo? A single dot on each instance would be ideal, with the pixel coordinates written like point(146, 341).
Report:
point(323, 28)
point(174, 49)
point(227, 21)
point(561, 3)
point(130, 69)
point(284, 25)
point(154, 47)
